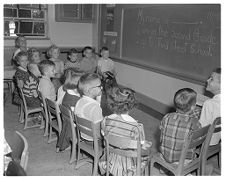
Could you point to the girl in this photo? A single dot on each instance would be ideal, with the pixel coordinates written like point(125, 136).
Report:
point(69, 100)
point(121, 102)
point(27, 81)
point(34, 56)
point(53, 55)
point(72, 61)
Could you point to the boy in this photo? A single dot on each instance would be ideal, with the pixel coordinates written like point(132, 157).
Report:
point(211, 107)
point(89, 63)
point(46, 87)
point(105, 64)
point(88, 106)
point(175, 126)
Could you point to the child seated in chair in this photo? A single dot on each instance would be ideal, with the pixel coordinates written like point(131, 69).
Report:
point(27, 81)
point(46, 87)
point(53, 53)
point(176, 125)
point(121, 102)
point(34, 56)
point(88, 106)
point(69, 100)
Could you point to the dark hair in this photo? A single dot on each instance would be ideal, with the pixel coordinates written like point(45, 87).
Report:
point(184, 99)
point(70, 79)
point(217, 70)
point(43, 65)
point(121, 101)
point(31, 51)
point(85, 80)
point(72, 50)
point(19, 55)
point(86, 48)
point(104, 49)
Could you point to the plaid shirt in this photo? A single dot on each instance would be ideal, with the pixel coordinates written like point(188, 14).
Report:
point(174, 128)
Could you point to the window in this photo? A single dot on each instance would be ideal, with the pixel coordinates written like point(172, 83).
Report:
point(30, 19)
point(84, 13)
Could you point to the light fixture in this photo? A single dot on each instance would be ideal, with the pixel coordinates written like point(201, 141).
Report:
point(12, 27)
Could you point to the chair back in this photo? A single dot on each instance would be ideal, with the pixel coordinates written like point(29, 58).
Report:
point(214, 128)
point(68, 116)
point(54, 112)
point(123, 138)
point(87, 127)
point(19, 146)
point(193, 140)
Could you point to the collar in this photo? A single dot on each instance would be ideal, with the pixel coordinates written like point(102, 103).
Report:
point(90, 99)
point(23, 69)
point(217, 96)
point(47, 78)
point(73, 92)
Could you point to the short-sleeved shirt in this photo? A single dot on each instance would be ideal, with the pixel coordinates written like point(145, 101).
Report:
point(174, 128)
point(47, 88)
point(89, 109)
point(210, 111)
point(105, 65)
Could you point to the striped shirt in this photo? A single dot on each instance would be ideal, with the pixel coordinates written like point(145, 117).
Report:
point(174, 128)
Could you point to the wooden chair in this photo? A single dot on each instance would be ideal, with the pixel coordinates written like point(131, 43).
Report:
point(44, 112)
point(26, 111)
point(121, 142)
point(68, 116)
point(55, 122)
point(207, 150)
point(93, 148)
point(19, 146)
point(192, 141)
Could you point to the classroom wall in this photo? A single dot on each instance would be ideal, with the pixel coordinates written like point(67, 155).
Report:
point(159, 88)
point(63, 34)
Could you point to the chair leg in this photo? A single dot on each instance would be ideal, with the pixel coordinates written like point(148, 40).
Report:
point(73, 153)
point(219, 159)
point(46, 125)
point(50, 135)
point(95, 166)
point(26, 120)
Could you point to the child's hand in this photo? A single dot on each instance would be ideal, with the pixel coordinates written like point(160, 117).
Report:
point(35, 94)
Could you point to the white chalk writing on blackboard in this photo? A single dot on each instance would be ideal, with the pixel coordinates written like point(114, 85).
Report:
point(160, 33)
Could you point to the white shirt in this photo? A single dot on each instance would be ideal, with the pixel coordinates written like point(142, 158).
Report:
point(47, 88)
point(210, 111)
point(125, 117)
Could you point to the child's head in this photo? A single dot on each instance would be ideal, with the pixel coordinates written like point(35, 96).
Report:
point(104, 52)
point(34, 55)
point(90, 85)
point(87, 52)
point(185, 100)
point(214, 81)
point(21, 42)
point(72, 55)
point(47, 68)
point(22, 59)
point(53, 52)
point(121, 101)
point(71, 80)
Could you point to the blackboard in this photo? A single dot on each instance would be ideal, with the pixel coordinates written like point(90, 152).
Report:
point(183, 40)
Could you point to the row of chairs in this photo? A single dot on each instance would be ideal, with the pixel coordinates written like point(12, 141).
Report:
point(55, 115)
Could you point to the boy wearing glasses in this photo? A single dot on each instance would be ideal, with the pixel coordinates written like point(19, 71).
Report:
point(88, 106)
